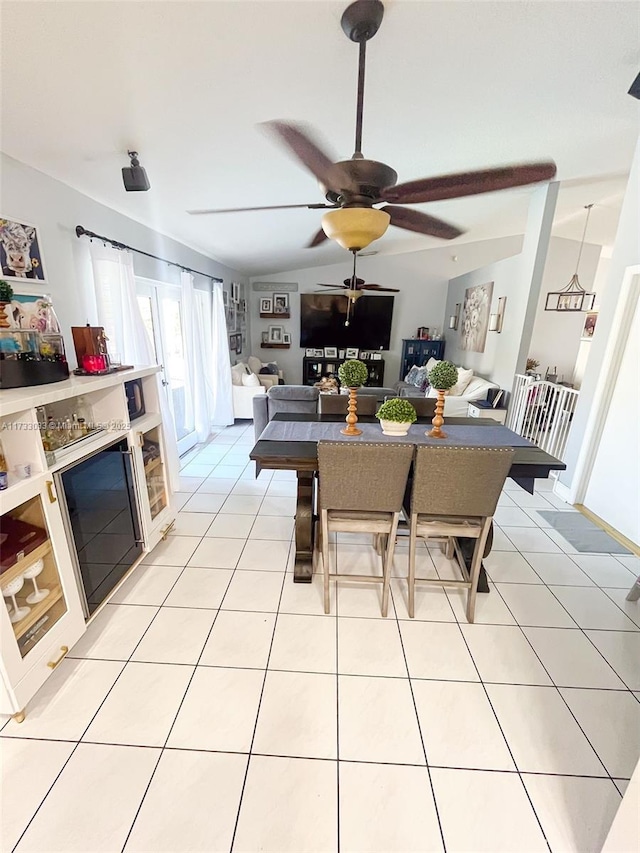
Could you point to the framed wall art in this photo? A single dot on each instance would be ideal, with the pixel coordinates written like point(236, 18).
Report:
point(475, 317)
point(20, 252)
point(266, 305)
point(275, 334)
point(280, 303)
point(589, 326)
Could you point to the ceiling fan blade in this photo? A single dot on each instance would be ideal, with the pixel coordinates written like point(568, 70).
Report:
point(335, 286)
point(379, 288)
point(206, 211)
point(469, 183)
point(415, 220)
point(310, 155)
point(318, 238)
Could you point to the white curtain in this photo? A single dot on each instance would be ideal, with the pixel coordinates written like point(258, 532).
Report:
point(207, 355)
point(119, 313)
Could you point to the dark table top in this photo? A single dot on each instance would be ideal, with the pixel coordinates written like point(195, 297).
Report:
point(528, 462)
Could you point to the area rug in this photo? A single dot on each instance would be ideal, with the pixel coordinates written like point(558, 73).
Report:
point(582, 533)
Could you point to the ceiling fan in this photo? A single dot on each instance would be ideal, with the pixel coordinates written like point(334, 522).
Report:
point(353, 288)
point(353, 187)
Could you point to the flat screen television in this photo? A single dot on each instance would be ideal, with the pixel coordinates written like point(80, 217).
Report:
point(323, 315)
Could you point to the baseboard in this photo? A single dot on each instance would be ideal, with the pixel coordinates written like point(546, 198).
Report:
point(615, 534)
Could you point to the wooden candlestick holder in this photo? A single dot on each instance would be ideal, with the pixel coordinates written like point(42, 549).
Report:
point(352, 417)
point(438, 420)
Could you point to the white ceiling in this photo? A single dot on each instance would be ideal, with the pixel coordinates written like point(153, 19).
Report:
point(450, 86)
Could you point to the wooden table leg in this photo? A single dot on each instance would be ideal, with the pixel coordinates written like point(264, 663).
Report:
point(303, 567)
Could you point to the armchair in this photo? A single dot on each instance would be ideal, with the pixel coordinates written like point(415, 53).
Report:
point(283, 398)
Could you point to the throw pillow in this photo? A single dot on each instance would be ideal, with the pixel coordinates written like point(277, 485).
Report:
point(432, 363)
point(464, 378)
point(237, 372)
point(410, 378)
point(272, 368)
point(254, 364)
point(421, 378)
point(250, 380)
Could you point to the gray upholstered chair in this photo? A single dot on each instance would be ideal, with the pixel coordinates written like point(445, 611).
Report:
point(455, 494)
point(336, 404)
point(302, 399)
point(425, 406)
point(361, 487)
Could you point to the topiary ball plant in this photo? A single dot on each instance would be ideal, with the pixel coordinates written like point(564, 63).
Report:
point(398, 410)
point(6, 291)
point(443, 376)
point(353, 373)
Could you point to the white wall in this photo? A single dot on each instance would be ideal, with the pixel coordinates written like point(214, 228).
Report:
point(626, 253)
point(519, 279)
point(420, 276)
point(56, 209)
point(555, 341)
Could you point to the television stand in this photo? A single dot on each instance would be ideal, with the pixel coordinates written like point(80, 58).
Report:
point(314, 368)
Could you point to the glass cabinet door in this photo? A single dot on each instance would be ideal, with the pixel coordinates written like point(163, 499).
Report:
point(29, 577)
point(154, 473)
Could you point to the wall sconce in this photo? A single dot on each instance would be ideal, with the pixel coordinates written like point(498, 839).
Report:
point(495, 320)
point(454, 318)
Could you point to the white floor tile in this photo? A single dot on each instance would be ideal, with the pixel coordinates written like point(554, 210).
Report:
point(204, 502)
point(219, 711)
point(176, 635)
point(622, 650)
point(197, 469)
point(191, 523)
point(535, 501)
point(142, 705)
point(190, 484)
point(592, 608)
point(29, 768)
point(227, 472)
point(532, 539)
point(513, 516)
point(217, 553)
point(241, 504)
point(509, 567)
point(173, 551)
point(485, 813)
point(289, 805)
point(114, 633)
point(359, 598)
point(541, 733)
point(147, 585)
point(272, 527)
point(304, 643)
point(94, 802)
point(239, 640)
point(250, 487)
point(179, 499)
point(571, 660)
point(298, 716)
point(503, 655)
point(534, 605)
point(631, 608)
point(282, 489)
point(557, 569)
point(501, 541)
point(611, 721)
point(278, 506)
point(358, 558)
point(387, 808)
point(490, 607)
point(217, 486)
point(63, 707)
point(436, 650)
point(431, 604)
point(202, 588)
point(306, 598)
point(254, 591)
point(459, 728)
point(230, 526)
point(177, 811)
point(605, 570)
point(632, 563)
point(370, 647)
point(576, 814)
point(265, 555)
point(377, 721)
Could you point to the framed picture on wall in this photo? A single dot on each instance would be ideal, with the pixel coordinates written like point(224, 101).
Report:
point(264, 338)
point(266, 305)
point(352, 352)
point(276, 334)
point(331, 352)
point(286, 338)
point(20, 252)
point(280, 303)
point(235, 292)
point(589, 326)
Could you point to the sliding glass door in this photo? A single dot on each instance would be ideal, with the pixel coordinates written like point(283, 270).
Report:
point(161, 309)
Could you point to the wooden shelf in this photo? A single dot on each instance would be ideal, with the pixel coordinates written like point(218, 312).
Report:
point(20, 628)
point(275, 346)
point(23, 564)
point(286, 316)
point(151, 466)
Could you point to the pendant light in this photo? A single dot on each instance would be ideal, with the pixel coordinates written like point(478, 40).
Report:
point(574, 297)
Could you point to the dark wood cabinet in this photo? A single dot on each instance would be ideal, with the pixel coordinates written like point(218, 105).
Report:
point(313, 369)
point(418, 352)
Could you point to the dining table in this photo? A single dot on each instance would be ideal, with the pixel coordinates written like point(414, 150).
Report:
point(289, 442)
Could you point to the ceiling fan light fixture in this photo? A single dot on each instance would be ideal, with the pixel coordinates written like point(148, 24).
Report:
point(354, 228)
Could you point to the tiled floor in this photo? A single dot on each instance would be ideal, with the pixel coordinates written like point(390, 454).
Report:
point(212, 706)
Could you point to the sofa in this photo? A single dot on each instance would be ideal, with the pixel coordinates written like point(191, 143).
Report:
point(302, 399)
point(455, 405)
point(248, 382)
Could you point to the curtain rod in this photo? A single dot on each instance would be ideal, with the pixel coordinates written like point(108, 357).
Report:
point(82, 232)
